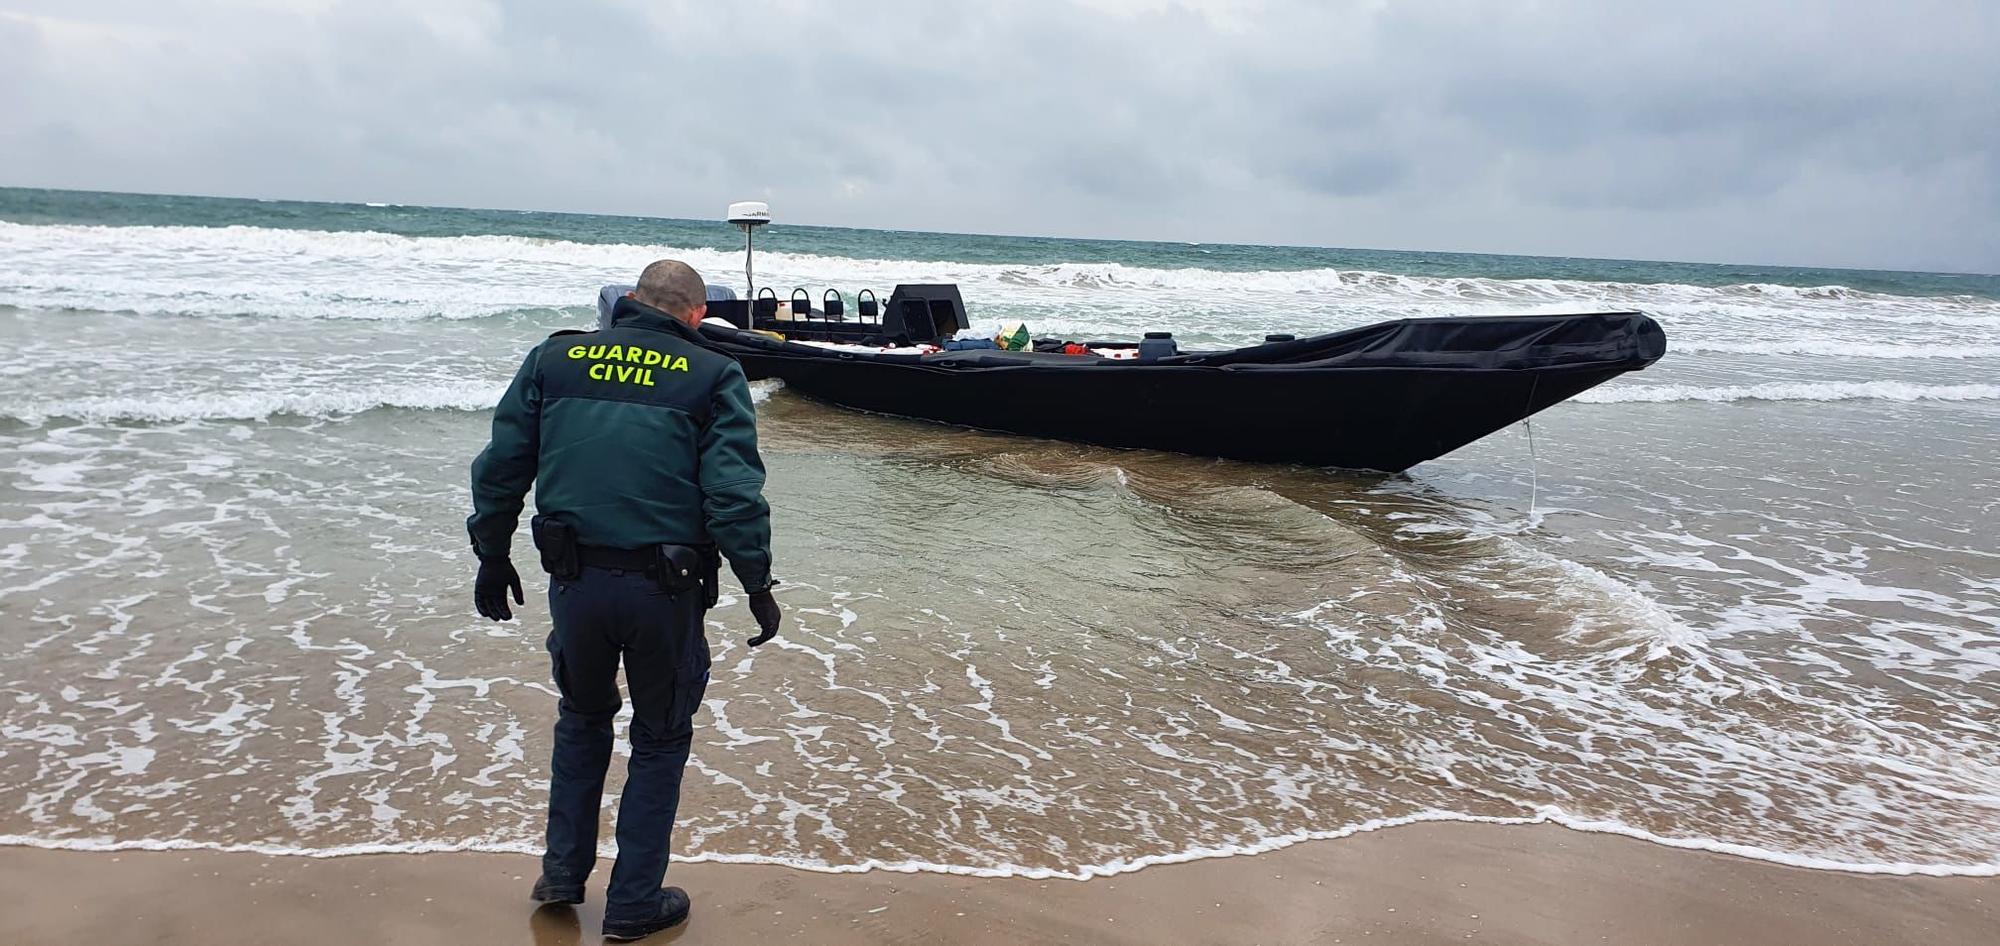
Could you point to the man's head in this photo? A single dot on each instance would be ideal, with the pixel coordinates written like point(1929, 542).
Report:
point(673, 287)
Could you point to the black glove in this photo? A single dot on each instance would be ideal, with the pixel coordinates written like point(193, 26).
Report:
point(489, 590)
point(765, 609)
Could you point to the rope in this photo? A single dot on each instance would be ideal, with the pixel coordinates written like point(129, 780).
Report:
point(1534, 463)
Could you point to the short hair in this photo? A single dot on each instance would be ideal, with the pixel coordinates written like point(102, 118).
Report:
point(673, 287)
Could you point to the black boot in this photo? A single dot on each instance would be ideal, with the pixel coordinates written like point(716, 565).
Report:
point(673, 912)
point(549, 891)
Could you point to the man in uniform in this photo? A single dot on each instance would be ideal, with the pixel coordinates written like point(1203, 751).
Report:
point(641, 444)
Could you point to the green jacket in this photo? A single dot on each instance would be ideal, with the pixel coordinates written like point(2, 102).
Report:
point(635, 435)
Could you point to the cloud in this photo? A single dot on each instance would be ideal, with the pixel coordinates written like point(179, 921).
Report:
point(1854, 134)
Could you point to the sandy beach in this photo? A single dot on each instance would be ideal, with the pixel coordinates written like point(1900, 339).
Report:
point(1436, 883)
point(1710, 601)
point(1173, 472)
point(1743, 598)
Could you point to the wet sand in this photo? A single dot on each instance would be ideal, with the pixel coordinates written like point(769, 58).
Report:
point(1429, 883)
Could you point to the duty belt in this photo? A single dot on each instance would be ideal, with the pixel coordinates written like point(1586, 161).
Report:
point(675, 568)
point(631, 560)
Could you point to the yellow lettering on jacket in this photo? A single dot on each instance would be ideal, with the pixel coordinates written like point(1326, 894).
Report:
point(637, 367)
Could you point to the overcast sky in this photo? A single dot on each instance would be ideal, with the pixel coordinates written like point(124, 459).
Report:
point(1830, 133)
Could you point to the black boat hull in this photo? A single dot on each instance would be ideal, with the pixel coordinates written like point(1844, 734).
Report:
point(1382, 400)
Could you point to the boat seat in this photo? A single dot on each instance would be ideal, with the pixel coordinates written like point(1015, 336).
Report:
point(833, 308)
point(608, 297)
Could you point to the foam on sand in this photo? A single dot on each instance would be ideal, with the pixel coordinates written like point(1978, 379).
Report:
point(1543, 815)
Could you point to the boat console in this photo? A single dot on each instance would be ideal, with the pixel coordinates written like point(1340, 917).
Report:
point(915, 314)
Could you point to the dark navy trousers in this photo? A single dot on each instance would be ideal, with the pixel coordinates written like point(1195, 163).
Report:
point(601, 617)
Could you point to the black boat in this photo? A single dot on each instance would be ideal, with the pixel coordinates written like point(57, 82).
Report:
point(1383, 397)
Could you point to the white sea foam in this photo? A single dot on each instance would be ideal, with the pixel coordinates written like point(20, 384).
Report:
point(368, 275)
point(1543, 815)
point(262, 405)
point(1790, 391)
point(314, 401)
point(1837, 348)
point(334, 401)
point(1510, 682)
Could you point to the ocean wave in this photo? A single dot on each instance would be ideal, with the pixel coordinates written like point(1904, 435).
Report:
point(1790, 391)
point(1549, 815)
point(242, 270)
point(260, 405)
point(1836, 348)
point(294, 304)
point(264, 405)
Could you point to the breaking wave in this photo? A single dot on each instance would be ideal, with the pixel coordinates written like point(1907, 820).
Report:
point(1837, 348)
point(264, 405)
point(1790, 391)
point(238, 270)
point(481, 397)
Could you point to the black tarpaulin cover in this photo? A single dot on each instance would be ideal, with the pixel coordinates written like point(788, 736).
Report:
point(1381, 397)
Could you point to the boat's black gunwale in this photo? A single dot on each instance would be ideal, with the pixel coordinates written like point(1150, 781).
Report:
point(1385, 397)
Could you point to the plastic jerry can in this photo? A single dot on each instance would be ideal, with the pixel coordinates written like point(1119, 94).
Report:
point(1157, 345)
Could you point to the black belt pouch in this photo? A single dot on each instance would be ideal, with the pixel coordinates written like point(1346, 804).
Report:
point(556, 540)
point(680, 568)
point(711, 578)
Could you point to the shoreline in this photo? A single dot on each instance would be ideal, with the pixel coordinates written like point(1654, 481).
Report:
point(1089, 872)
point(1431, 882)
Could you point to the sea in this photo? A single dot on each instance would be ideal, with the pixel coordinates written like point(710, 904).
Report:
point(1746, 600)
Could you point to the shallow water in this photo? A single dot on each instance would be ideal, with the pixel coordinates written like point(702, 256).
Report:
point(1747, 599)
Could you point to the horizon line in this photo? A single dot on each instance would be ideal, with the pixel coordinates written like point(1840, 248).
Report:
point(1019, 236)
